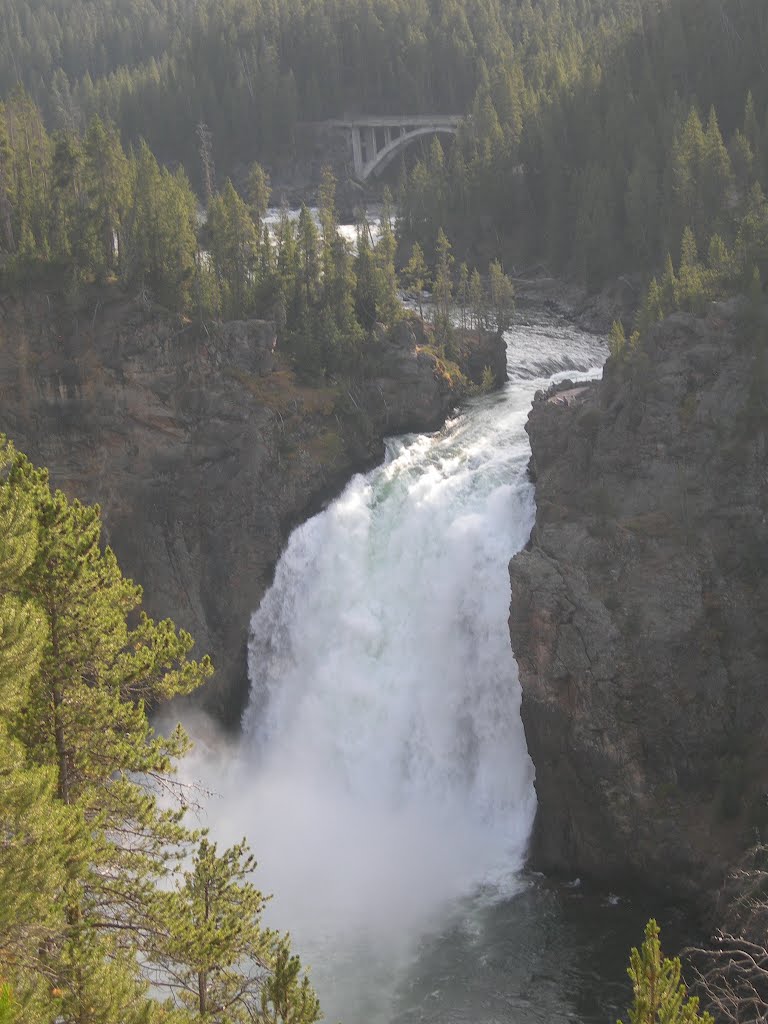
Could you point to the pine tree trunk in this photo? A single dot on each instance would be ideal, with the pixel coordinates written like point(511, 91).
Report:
point(202, 992)
point(58, 727)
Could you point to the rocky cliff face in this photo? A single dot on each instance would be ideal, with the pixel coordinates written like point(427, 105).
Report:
point(201, 447)
point(639, 610)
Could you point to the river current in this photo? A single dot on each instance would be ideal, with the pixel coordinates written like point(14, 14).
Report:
point(382, 777)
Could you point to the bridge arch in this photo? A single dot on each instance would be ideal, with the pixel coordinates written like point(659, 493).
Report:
point(377, 140)
point(391, 150)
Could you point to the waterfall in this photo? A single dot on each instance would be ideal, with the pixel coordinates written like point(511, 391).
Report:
point(383, 774)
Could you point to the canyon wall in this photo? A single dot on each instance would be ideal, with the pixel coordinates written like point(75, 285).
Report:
point(639, 610)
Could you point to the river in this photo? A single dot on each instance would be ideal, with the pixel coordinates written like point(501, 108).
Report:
point(382, 778)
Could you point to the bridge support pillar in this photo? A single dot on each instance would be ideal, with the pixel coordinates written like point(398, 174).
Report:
point(357, 152)
point(369, 144)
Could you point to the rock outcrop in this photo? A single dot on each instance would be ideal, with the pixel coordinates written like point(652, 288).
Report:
point(639, 610)
point(595, 312)
point(201, 446)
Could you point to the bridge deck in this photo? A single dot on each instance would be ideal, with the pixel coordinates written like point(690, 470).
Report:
point(396, 120)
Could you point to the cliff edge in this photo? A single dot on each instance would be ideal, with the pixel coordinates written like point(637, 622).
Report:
point(639, 607)
point(202, 447)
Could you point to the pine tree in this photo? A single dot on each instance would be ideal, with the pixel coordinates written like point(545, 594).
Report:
point(388, 301)
point(7, 235)
point(462, 294)
point(415, 275)
point(66, 201)
point(442, 289)
point(84, 840)
point(660, 997)
point(502, 296)
point(691, 291)
point(477, 301)
point(161, 239)
point(287, 996)
point(756, 133)
point(85, 721)
point(617, 340)
point(31, 149)
point(669, 285)
point(107, 185)
point(751, 246)
point(309, 259)
point(652, 309)
point(208, 173)
point(720, 262)
point(751, 125)
point(42, 843)
point(687, 155)
point(716, 175)
point(742, 159)
point(234, 248)
point(141, 242)
point(366, 289)
point(221, 962)
point(328, 223)
point(258, 192)
point(176, 213)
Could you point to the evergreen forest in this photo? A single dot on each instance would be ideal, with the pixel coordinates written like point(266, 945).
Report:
point(78, 211)
point(642, 150)
point(254, 69)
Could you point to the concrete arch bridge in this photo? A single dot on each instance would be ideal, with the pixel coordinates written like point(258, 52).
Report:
point(377, 141)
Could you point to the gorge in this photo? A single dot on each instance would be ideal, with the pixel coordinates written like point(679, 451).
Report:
point(382, 775)
point(382, 744)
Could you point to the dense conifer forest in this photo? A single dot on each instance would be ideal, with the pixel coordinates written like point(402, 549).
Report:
point(252, 69)
point(647, 143)
point(77, 210)
point(596, 133)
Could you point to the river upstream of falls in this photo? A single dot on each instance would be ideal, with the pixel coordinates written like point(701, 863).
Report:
point(382, 778)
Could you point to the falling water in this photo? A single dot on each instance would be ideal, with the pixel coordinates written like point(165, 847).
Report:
point(383, 778)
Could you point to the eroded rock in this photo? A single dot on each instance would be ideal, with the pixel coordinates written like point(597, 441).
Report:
point(638, 612)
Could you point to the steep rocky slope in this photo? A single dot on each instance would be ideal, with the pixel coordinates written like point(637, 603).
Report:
point(201, 447)
point(639, 610)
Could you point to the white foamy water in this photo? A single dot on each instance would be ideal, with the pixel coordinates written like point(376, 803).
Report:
point(382, 777)
point(347, 231)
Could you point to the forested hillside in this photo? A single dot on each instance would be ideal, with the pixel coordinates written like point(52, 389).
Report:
point(252, 69)
point(602, 165)
point(78, 211)
point(599, 130)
